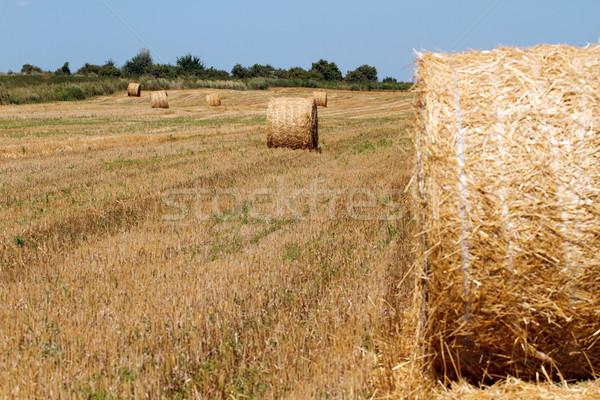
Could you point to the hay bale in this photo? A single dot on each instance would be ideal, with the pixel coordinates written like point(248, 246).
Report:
point(508, 145)
point(213, 99)
point(159, 99)
point(292, 122)
point(134, 90)
point(320, 98)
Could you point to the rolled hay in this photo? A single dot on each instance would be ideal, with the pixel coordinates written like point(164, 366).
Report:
point(213, 99)
point(320, 98)
point(508, 147)
point(293, 123)
point(134, 90)
point(159, 99)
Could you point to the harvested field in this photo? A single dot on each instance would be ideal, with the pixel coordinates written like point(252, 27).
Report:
point(172, 255)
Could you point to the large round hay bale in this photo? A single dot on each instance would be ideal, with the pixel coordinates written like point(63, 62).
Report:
point(320, 98)
point(213, 99)
point(159, 99)
point(134, 90)
point(292, 122)
point(508, 146)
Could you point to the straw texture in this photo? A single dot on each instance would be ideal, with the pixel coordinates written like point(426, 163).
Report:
point(508, 144)
point(134, 90)
point(159, 99)
point(293, 123)
point(320, 98)
point(213, 99)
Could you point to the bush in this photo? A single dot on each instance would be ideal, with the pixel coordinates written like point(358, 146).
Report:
point(138, 64)
point(364, 73)
point(324, 70)
point(29, 69)
point(190, 65)
point(65, 70)
point(240, 72)
point(73, 92)
point(89, 69)
point(110, 69)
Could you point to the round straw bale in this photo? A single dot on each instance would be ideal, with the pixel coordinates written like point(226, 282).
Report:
point(134, 90)
point(320, 98)
point(508, 147)
point(213, 99)
point(292, 122)
point(159, 99)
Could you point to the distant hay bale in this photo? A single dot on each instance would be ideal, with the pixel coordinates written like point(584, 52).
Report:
point(134, 90)
point(320, 98)
point(508, 146)
point(159, 99)
point(213, 99)
point(293, 123)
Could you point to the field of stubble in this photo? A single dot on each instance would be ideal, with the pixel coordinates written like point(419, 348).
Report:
point(169, 254)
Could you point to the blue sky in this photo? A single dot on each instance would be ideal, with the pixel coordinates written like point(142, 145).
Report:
point(381, 33)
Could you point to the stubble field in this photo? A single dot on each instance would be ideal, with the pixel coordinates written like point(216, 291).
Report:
point(169, 254)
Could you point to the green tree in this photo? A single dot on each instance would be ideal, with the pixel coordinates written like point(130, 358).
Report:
point(215, 74)
point(363, 73)
point(138, 64)
point(327, 71)
point(64, 70)
point(240, 72)
point(89, 69)
point(29, 69)
point(297, 73)
point(110, 69)
point(163, 71)
point(389, 79)
point(190, 65)
point(261, 71)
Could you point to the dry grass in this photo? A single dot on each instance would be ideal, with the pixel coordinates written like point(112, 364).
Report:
point(134, 90)
point(293, 123)
point(509, 144)
point(213, 99)
point(159, 99)
point(101, 297)
point(320, 98)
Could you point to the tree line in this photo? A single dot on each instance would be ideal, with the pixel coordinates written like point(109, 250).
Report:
point(191, 65)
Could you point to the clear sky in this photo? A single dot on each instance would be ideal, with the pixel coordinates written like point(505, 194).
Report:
point(381, 33)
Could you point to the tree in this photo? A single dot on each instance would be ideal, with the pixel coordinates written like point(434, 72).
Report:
point(138, 64)
point(240, 72)
point(88, 69)
point(64, 70)
point(261, 71)
point(363, 73)
point(190, 64)
point(110, 69)
point(163, 71)
point(297, 73)
point(327, 71)
point(29, 69)
point(389, 79)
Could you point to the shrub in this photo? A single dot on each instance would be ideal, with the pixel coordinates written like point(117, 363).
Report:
point(73, 92)
point(29, 69)
point(190, 65)
point(327, 71)
point(110, 69)
point(138, 64)
point(240, 72)
point(89, 69)
point(64, 70)
point(364, 73)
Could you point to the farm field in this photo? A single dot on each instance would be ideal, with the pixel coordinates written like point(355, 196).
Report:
point(153, 253)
